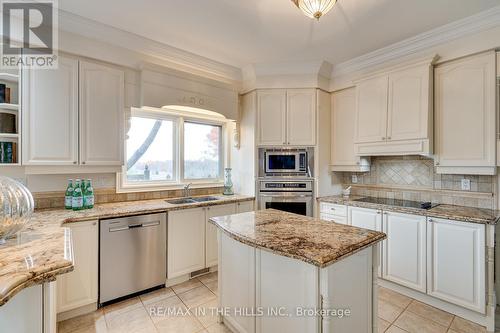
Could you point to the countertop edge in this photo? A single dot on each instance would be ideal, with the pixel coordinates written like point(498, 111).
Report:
point(313, 262)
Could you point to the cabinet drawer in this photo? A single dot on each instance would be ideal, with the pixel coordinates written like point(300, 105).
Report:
point(333, 209)
point(333, 218)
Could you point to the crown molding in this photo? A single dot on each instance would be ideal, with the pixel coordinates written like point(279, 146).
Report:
point(79, 25)
point(467, 26)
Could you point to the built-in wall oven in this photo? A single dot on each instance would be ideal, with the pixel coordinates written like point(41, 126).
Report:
point(294, 196)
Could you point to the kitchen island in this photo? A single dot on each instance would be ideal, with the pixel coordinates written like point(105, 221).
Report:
point(282, 272)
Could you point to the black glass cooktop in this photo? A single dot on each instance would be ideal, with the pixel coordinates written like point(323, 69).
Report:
point(398, 202)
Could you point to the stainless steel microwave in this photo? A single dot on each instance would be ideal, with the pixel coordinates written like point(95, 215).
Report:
point(286, 162)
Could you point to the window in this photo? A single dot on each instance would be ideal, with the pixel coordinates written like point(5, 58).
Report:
point(202, 151)
point(150, 147)
point(166, 149)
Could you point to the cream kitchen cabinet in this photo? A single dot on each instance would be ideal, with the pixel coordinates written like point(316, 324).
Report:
point(368, 219)
point(73, 115)
point(79, 287)
point(286, 117)
point(211, 249)
point(245, 206)
point(333, 212)
point(185, 241)
point(343, 121)
point(102, 114)
point(456, 264)
point(50, 115)
point(465, 115)
point(394, 112)
point(404, 251)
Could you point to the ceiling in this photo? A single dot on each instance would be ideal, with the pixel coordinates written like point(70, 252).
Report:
point(242, 32)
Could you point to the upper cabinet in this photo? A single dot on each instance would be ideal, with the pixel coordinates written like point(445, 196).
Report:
point(73, 115)
point(394, 112)
point(465, 115)
point(50, 115)
point(342, 156)
point(286, 117)
point(101, 114)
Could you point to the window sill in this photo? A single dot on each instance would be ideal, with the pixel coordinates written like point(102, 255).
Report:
point(121, 188)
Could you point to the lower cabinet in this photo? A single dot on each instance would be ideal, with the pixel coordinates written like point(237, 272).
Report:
point(456, 264)
point(192, 239)
point(79, 287)
point(185, 241)
point(211, 248)
point(24, 312)
point(404, 250)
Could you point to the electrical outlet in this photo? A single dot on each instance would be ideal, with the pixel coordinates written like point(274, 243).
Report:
point(465, 184)
point(354, 179)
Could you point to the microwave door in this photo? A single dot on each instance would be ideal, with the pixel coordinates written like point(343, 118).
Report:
point(281, 163)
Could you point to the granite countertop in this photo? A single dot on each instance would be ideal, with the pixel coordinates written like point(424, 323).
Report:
point(453, 212)
point(44, 249)
point(312, 240)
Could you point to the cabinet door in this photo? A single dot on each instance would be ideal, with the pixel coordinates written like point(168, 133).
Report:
point(24, 313)
point(211, 248)
point(368, 219)
point(465, 112)
point(409, 104)
point(271, 117)
point(404, 250)
point(245, 206)
point(456, 263)
point(101, 114)
point(343, 128)
point(365, 218)
point(301, 117)
point(50, 115)
point(371, 110)
point(79, 287)
point(333, 218)
point(186, 241)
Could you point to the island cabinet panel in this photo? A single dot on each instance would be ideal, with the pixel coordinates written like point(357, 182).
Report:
point(355, 272)
point(79, 287)
point(186, 241)
point(456, 263)
point(211, 250)
point(286, 283)
point(237, 283)
point(404, 250)
point(24, 312)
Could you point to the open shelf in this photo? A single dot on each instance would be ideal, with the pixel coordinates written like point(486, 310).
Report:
point(9, 77)
point(9, 135)
point(9, 106)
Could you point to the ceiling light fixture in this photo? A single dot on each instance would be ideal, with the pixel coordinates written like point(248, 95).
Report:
point(314, 8)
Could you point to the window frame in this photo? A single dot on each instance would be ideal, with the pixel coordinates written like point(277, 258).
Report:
point(178, 180)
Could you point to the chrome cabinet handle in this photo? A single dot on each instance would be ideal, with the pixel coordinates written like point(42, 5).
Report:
point(383, 138)
point(74, 162)
point(388, 138)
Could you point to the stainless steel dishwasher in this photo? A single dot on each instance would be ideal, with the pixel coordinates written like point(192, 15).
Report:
point(132, 255)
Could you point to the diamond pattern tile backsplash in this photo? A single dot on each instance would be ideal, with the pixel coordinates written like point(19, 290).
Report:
point(417, 173)
point(413, 178)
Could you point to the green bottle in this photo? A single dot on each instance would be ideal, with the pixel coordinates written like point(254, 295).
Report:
point(77, 202)
point(88, 195)
point(68, 196)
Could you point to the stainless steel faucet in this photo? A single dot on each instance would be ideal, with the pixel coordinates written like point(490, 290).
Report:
point(187, 190)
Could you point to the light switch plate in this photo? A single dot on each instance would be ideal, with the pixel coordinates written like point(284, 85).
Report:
point(354, 179)
point(465, 184)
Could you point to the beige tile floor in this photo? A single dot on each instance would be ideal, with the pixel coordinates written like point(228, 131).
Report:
point(397, 313)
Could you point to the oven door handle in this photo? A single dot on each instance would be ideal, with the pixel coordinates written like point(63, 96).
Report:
point(286, 195)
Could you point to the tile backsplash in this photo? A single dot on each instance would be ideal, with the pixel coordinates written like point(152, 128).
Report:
point(413, 178)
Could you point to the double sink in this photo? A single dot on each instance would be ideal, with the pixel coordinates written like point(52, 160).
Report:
point(189, 200)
